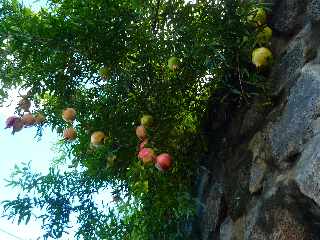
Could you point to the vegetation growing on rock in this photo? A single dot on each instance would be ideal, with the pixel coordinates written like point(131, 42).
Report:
point(57, 54)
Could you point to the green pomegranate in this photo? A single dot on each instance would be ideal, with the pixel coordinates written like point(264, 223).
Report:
point(105, 72)
point(146, 120)
point(261, 57)
point(264, 35)
point(173, 63)
point(258, 16)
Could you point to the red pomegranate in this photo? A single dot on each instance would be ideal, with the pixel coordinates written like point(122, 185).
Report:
point(163, 162)
point(147, 155)
point(10, 121)
point(17, 125)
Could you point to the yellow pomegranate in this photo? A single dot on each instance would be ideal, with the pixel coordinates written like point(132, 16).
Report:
point(69, 114)
point(69, 134)
point(97, 138)
point(28, 119)
point(141, 132)
point(264, 35)
point(261, 57)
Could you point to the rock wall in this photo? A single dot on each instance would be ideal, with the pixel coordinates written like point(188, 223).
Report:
point(262, 180)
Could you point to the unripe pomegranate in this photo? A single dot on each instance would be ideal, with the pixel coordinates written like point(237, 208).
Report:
point(147, 155)
point(24, 104)
point(28, 119)
point(146, 120)
point(39, 118)
point(163, 162)
point(258, 16)
point(105, 72)
point(141, 132)
point(69, 114)
point(261, 57)
point(264, 35)
point(143, 144)
point(173, 63)
point(97, 138)
point(69, 134)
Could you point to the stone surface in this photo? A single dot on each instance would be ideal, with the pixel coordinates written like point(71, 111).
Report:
point(212, 211)
point(313, 11)
point(236, 181)
point(202, 184)
point(257, 173)
point(280, 216)
point(294, 127)
point(226, 229)
point(307, 171)
point(287, 16)
point(287, 71)
point(261, 153)
point(268, 163)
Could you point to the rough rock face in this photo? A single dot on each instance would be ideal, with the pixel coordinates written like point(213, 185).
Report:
point(265, 183)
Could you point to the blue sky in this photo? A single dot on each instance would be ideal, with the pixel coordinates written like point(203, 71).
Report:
point(22, 147)
point(14, 149)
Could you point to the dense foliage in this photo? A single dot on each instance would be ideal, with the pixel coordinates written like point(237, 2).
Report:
point(56, 54)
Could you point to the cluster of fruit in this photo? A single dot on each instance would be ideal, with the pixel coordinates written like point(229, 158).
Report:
point(26, 119)
point(163, 161)
point(261, 56)
point(69, 134)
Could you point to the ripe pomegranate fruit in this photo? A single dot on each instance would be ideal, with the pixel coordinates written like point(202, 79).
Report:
point(28, 120)
point(97, 138)
point(147, 155)
point(69, 114)
point(69, 134)
point(141, 132)
point(17, 125)
point(10, 121)
point(163, 162)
